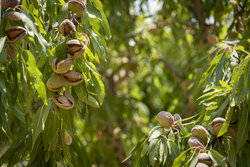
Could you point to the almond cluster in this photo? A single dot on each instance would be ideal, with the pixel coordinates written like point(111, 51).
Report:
point(63, 73)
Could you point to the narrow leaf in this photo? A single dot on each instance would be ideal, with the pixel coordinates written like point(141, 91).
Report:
point(40, 119)
point(217, 158)
point(2, 41)
point(179, 161)
point(242, 133)
point(36, 76)
point(225, 125)
point(135, 149)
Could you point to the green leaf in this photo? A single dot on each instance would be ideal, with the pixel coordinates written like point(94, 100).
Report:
point(3, 24)
point(98, 43)
point(155, 132)
point(217, 158)
point(15, 153)
point(32, 30)
point(105, 23)
point(165, 150)
point(90, 54)
point(221, 109)
point(60, 50)
point(194, 161)
point(174, 151)
point(4, 120)
point(225, 85)
point(2, 42)
point(85, 97)
point(239, 76)
point(63, 13)
point(139, 145)
point(242, 133)
point(161, 151)
point(35, 75)
point(19, 114)
point(212, 66)
point(225, 125)
point(179, 161)
point(101, 16)
point(3, 56)
point(51, 130)
point(2, 83)
point(241, 48)
point(211, 94)
point(153, 151)
point(81, 157)
point(91, 67)
point(99, 87)
point(231, 153)
point(39, 122)
point(68, 120)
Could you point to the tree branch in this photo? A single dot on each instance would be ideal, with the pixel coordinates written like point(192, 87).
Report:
point(199, 14)
point(169, 68)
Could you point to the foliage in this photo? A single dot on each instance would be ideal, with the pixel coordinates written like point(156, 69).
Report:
point(223, 96)
point(33, 129)
point(160, 57)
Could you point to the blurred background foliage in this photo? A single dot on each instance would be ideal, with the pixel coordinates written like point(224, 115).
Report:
point(156, 56)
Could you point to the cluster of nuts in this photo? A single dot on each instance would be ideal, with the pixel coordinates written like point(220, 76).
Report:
point(166, 119)
point(62, 68)
point(199, 139)
point(200, 135)
point(15, 33)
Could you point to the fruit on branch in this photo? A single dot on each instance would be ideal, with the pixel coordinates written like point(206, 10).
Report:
point(212, 39)
point(177, 117)
point(200, 132)
point(73, 78)
point(200, 164)
point(14, 16)
point(11, 52)
point(85, 39)
point(196, 144)
point(55, 83)
point(16, 33)
point(9, 3)
point(76, 48)
point(67, 138)
point(64, 101)
point(204, 158)
point(66, 27)
point(61, 67)
point(79, 53)
point(216, 125)
point(74, 45)
point(77, 6)
point(165, 119)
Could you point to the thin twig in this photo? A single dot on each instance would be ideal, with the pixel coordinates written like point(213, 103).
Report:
point(174, 72)
point(190, 123)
